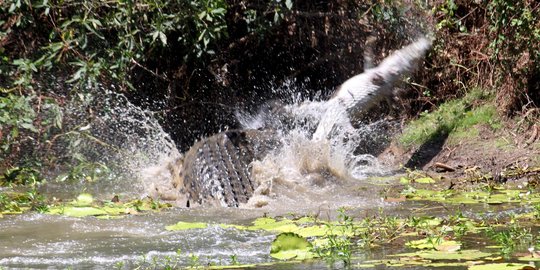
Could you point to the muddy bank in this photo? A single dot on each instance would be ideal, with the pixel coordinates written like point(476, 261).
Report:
point(498, 155)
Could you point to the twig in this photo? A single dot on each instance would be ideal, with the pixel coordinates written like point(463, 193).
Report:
point(533, 135)
point(444, 167)
point(150, 71)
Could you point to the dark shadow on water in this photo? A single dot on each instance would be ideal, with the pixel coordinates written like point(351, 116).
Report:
point(428, 150)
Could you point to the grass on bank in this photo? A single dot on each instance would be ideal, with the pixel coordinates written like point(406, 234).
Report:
point(458, 119)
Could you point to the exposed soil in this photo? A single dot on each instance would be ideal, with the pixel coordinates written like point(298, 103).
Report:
point(505, 154)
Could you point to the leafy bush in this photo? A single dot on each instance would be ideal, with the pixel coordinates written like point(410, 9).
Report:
point(489, 44)
point(515, 46)
point(100, 41)
point(53, 51)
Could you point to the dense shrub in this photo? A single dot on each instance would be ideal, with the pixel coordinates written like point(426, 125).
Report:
point(172, 56)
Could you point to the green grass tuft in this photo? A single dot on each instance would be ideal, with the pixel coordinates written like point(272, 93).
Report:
point(457, 118)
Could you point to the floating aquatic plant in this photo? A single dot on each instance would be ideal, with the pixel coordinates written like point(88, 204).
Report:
point(289, 246)
point(85, 205)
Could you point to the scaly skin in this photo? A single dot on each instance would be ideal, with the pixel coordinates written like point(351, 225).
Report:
point(217, 169)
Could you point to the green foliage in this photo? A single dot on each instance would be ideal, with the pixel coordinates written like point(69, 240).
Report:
point(449, 18)
point(26, 119)
point(16, 113)
point(85, 171)
point(27, 179)
point(516, 29)
point(18, 176)
point(97, 41)
point(168, 262)
point(19, 202)
point(460, 224)
point(209, 24)
point(194, 261)
point(85, 43)
point(234, 259)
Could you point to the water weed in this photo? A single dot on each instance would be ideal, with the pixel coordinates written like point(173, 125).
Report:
point(511, 238)
point(338, 245)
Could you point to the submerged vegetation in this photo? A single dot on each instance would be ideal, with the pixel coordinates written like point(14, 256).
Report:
point(432, 241)
point(450, 238)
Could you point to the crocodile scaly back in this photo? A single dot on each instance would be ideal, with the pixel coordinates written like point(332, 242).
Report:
point(217, 170)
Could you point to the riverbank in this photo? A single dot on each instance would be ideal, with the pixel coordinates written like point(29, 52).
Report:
point(468, 138)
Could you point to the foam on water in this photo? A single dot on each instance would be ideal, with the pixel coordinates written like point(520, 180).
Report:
point(304, 172)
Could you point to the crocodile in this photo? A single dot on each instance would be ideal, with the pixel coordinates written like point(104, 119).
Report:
point(217, 170)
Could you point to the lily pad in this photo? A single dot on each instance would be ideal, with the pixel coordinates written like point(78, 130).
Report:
point(425, 180)
point(446, 264)
point(501, 266)
point(180, 226)
point(313, 231)
point(530, 258)
point(437, 244)
point(404, 180)
point(84, 206)
point(270, 224)
point(74, 211)
point(464, 255)
point(289, 246)
point(84, 199)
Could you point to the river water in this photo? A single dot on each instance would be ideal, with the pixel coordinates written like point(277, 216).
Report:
point(41, 241)
point(302, 179)
point(44, 241)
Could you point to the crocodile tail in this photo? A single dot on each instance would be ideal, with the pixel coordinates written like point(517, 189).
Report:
point(361, 92)
point(403, 61)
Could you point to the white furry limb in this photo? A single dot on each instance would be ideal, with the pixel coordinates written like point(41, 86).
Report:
point(363, 91)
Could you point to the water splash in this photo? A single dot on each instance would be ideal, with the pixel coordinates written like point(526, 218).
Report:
point(306, 171)
point(104, 127)
point(145, 161)
point(333, 148)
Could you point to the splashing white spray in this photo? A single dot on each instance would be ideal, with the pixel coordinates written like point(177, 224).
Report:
point(104, 127)
point(303, 171)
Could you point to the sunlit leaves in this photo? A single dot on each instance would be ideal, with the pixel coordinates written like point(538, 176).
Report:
point(209, 23)
point(16, 115)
